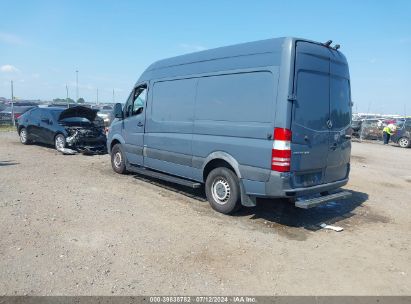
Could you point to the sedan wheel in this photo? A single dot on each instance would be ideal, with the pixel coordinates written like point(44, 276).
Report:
point(60, 142)
point(23, 136)
point(404, 142)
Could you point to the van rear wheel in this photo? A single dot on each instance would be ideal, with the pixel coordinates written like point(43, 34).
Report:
point(223, 190)
point(118, 159)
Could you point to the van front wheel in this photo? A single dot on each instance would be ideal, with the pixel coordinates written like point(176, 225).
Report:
point(223, 191)
point(118, 160)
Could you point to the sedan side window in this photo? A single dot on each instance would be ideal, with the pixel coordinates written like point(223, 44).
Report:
point(35, 114)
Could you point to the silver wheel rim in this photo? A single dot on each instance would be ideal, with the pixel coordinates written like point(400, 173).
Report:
point(59, 142)
point(117, 159)
point(403, 142)
point(221, 190)
point(23, 136)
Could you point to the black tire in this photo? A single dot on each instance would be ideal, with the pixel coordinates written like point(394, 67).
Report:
point(24, 136)
point(118, 159)
point(59, 141)
point(223, 190)
point(404, 142)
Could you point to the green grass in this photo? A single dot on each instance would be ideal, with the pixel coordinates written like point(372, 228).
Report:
point(7, 128)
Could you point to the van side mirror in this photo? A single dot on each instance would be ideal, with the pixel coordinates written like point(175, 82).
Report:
point(118, 111)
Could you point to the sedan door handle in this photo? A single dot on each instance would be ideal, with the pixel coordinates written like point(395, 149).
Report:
point(140, 124)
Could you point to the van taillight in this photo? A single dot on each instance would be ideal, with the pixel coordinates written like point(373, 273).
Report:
point(281, 152)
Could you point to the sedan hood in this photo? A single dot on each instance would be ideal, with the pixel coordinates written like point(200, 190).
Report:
point(79, 111)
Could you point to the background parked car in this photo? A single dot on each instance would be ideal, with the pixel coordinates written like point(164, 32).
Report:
point(6, 116)
point(107, 115)
point(78, 128)
point(371, 129)
point(356, 127)
point(403, 134)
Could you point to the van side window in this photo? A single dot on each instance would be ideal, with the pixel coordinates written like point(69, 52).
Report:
point(174, 100)
point(139, 103)
point(234, 97)
point(136, 102)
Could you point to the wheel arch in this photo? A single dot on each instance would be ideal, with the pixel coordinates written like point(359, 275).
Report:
point(115, 140)
point(58, 133)
point(220, 159)
point(21, 127)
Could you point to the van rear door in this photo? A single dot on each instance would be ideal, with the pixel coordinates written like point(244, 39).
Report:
point(321, 116)
point(340, 118)
point(310, 115)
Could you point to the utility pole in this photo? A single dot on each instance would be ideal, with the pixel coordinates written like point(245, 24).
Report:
point(97, 97)
point(12, 104)
point(76, 85)
point(113, 96)
point(67, 97)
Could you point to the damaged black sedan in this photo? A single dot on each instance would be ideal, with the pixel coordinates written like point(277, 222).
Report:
point(71, 130)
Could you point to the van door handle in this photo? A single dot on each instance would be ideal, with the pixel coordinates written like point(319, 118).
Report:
point(140, 124)
point(334, 146)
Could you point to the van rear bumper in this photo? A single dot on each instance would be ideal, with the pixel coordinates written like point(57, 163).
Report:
point(278, 185)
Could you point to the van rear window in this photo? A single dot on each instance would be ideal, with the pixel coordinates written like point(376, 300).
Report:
point(340, 102)
point(312, 107)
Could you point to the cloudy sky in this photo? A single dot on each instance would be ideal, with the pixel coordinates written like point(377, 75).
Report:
point(43, 43)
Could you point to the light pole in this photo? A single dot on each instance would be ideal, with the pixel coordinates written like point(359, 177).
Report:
point(97, 97)
point(67, 98)
point(113, 95)
point(76, 85)
point(12, 104)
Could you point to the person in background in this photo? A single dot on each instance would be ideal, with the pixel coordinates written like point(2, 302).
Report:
point(387, 132)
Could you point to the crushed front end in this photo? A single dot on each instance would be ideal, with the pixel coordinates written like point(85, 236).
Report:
point(85, 130)
point(87, 140)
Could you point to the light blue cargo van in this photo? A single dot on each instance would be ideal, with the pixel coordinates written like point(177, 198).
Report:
point(268, 118)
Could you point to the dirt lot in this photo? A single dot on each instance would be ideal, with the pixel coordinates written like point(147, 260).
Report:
point(71, 226)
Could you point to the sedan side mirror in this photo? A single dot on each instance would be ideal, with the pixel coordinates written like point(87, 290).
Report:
point(118, 111)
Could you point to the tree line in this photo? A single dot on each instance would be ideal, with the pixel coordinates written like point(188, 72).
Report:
point(68, 100)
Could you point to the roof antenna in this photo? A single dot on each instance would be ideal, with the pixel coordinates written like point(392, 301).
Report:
point(328, 43)
point(337, 46)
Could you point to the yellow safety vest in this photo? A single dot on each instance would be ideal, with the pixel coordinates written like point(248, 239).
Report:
point(387, 130)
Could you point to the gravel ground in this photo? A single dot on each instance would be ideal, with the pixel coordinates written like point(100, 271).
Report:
point(71, 226)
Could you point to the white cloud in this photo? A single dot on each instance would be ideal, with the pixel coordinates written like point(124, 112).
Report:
point(12, 39)
point(192, 47)
point(8, 68)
